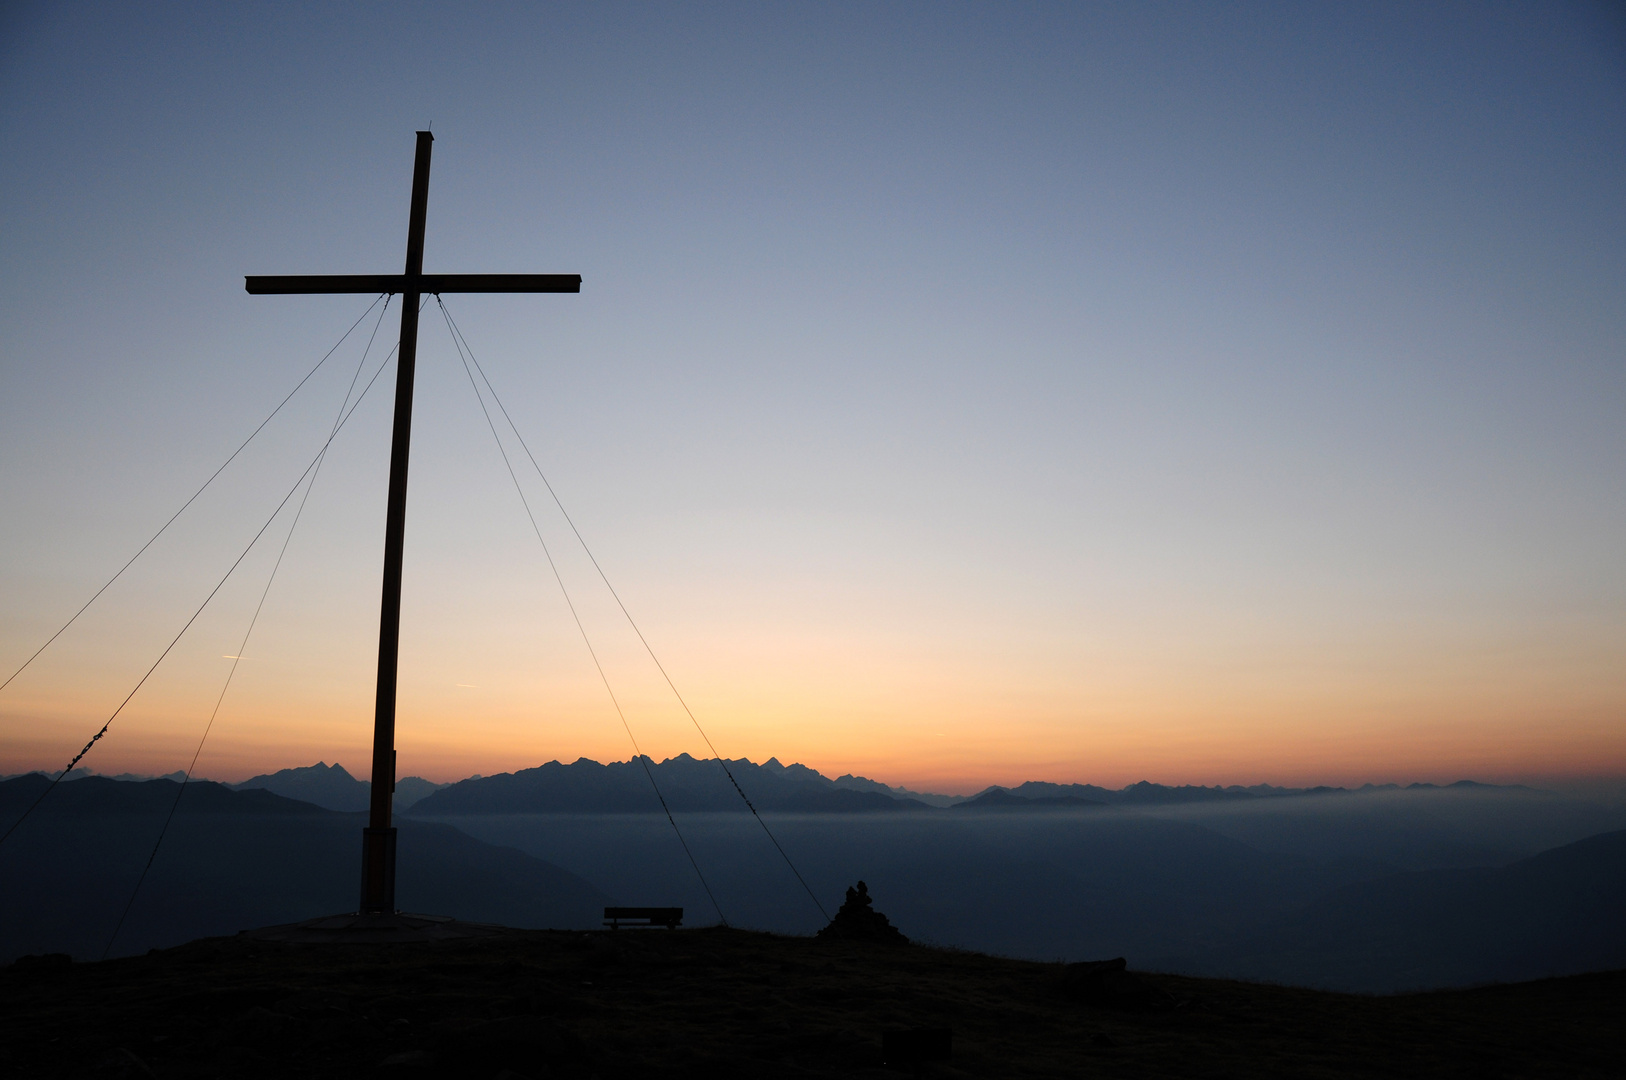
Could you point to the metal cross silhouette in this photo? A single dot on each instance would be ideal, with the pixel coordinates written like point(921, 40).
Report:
point(378, 839)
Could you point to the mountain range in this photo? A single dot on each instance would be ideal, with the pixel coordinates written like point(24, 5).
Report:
point(691, 784)
point(328, 786)
point(685, 783)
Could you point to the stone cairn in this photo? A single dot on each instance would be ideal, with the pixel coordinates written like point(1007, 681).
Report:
point(859, 921)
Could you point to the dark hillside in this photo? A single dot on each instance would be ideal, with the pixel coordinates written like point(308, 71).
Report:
point(234, 859)
point(1557, 912)
point(718, 1003)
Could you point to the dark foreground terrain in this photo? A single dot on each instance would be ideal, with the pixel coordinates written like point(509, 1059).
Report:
point(719, 1003)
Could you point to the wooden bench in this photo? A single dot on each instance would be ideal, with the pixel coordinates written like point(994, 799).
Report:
point(617, 917)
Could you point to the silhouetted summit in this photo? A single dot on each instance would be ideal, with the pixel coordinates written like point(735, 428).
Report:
point(859, 921)
point(333, 788)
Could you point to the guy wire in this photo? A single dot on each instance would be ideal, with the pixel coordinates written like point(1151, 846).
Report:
point(96, 737)
point(193, 499)
point(643, 759)
point(242, 648)
point(458, 333)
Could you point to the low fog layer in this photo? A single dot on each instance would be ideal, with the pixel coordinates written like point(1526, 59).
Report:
point(1373, 890)
point(1207, 887)
point(1408, 829)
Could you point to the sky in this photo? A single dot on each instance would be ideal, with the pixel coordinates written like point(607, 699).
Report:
point(957, 394)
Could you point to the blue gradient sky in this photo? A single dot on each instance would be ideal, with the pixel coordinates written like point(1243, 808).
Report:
point(958, 394)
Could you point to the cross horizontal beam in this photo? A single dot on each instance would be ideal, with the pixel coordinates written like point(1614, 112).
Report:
point(416, 283)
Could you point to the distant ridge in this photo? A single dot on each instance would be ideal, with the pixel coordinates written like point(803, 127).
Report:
point(82, 773)
point(694, 784)
point(1146, 793)
point(105, 795)
point(588, 786)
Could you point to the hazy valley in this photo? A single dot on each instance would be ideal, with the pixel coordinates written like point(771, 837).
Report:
point(1372, 889)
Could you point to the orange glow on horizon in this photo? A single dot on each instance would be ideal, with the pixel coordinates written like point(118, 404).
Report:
point(938, 748)
point(933, 700)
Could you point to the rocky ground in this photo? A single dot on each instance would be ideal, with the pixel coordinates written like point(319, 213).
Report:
point(721, 1003)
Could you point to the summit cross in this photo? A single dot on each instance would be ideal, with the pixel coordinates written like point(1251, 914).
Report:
point(378, 839)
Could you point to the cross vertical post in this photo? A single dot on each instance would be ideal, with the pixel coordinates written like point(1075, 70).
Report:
point(378, 838)
point(378, 841)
